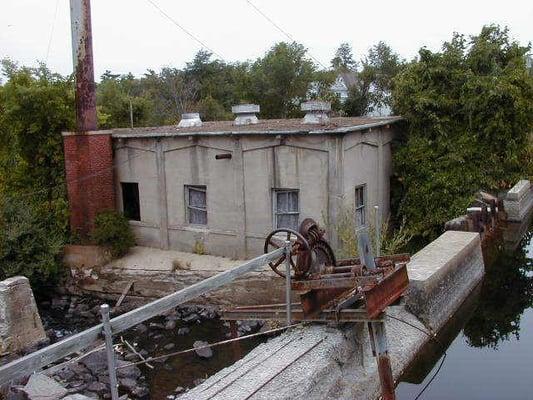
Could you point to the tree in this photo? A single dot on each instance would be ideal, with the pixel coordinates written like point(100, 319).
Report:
point(379, 69)
point(35, 107)
point(281, 79)
point(469, 112)
point(343, 60)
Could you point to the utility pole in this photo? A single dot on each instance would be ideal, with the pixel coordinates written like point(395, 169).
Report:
point(82, 56)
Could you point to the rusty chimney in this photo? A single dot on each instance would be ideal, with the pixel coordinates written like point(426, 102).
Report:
point(82, 56)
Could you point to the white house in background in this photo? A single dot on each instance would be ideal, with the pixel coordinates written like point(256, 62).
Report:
point(342, 85)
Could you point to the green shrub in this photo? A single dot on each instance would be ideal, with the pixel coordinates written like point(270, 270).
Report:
point(31, 242)
point(113, 231)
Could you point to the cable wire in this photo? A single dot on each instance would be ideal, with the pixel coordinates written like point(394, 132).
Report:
point(183, 29)
point(433, 337)
point(51, 33)
point(279, 28)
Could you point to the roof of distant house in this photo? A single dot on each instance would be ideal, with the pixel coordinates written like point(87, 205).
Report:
point(295, 126)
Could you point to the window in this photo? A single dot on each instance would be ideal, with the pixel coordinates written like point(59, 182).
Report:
point(286, 209)
point(360, 218)
point(196, 200)
point(130, 200)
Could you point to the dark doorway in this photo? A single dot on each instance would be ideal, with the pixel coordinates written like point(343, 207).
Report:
point(130, 200)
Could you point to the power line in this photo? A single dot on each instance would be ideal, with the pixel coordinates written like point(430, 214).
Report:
point(183, 29)
point(279, 28)
point(51, 32)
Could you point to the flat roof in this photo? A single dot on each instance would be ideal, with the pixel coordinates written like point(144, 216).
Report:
point(263, 127)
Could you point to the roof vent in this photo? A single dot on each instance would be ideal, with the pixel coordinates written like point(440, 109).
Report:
point(189, 120)
point(316, 112)
point(245, 114)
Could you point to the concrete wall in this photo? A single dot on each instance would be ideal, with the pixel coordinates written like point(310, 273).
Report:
point(20, 323)
point(324, 168)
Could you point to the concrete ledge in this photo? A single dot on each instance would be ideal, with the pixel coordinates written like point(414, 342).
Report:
point(442, 274)
point(518, 202)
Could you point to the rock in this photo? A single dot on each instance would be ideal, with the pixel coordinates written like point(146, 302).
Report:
point(168, 367)
point(40, 387)
point(66, 374)
point(141, 328)
point(128, 384)
point(203, 353)
point(169, 346)
point(59, 303)
point(76, 386)
point(140, 391)
point(131, 371)
point(97, 387)
point(156, 325)
point(170, 324)
point(76, 397)
point(131, 357)
point(179, 389)
point(77, 368)
point(158, 337)
point(96, 362)
point(191, 318)
point(183, 331)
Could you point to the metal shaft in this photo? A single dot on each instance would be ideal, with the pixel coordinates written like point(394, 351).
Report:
point(288, 280)
point(378, 232)
point(111, 365)
point(82, 58)
point(379, 338)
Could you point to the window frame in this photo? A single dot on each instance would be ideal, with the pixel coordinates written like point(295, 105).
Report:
point(138, 199)
point(188, 206)
point(276, 213)
point(360, 209)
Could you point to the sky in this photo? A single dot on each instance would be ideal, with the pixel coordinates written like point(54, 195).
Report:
point(133, 35)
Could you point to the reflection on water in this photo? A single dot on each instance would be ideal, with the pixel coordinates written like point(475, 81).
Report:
point(491, 358)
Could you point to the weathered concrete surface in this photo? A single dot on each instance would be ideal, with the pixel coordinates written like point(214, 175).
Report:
point(85, 256)
point(519, 201)
point(442, 274)
point(20, 323)
point(314, 362)
point(156, 273)
point(320, 362)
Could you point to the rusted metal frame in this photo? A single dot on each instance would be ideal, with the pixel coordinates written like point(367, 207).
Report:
point(378, 339)
point(346, 315)
point(333, 283)
point(395, 258)
point(236, 346)
point(386, 292)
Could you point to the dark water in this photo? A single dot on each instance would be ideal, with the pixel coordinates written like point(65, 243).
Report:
point(185, 370)
point(489, 344)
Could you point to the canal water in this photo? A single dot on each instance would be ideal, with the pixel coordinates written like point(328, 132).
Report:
point(488, 346)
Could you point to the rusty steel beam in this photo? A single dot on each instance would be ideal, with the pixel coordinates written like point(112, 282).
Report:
point(334, 283)
point(386, 292)
point(378, 339)
point(347, 315)
point(82, 56)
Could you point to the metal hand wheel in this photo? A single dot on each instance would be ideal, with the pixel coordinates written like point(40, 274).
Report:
point(300, 252)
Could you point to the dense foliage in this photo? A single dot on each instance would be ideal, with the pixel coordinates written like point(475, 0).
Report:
point(35, 106)
point(112, 230)
point(469, 112)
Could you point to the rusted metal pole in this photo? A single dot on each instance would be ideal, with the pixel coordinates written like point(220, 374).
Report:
point(378, 337)
point(82, 57)
point(111, 364)
point(288, 280)
point(237, 351)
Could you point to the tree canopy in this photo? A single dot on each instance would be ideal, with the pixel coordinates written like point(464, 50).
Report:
point(469, 113)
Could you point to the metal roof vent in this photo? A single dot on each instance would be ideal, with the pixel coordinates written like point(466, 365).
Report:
point(316, 112)
point(245, 114)
point(189, 120)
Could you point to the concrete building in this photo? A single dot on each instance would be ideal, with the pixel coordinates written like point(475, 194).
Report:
point(221, 187)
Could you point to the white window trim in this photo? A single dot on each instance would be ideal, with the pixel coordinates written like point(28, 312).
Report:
point(199, 188)
point(275, 213)
point(362, 207)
